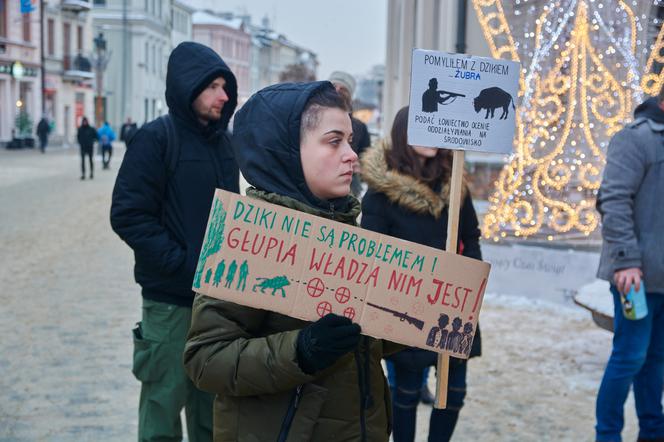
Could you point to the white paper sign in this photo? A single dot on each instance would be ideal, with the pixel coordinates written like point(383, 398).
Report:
point(462, 102)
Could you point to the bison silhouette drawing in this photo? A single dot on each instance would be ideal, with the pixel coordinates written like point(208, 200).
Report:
point(491, 99)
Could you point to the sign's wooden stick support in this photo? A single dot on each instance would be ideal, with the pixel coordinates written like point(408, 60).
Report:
point(456, 183)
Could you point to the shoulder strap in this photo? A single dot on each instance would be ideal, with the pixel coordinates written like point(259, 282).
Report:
point(172, 151)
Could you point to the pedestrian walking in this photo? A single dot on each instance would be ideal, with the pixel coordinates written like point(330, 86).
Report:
point(127, 131)
point(277, 377)
point(631, 203)
point(345, 83)
point(86, 136)
point(160, 208)
point(43, 129)
point(408, 198)
point(106, 137)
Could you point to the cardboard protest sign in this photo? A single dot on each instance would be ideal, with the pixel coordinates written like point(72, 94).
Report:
point(462, 102)
point(270, 257)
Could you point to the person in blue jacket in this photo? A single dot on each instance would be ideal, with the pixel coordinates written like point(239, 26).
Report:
point(106, 137)
point(161, 211)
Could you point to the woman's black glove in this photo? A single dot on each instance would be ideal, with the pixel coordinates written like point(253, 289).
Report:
point(320, 344)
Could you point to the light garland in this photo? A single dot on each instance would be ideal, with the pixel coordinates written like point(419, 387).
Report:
point(580, 80)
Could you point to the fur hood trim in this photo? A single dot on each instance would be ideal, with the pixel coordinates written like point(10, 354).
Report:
point(400, 189)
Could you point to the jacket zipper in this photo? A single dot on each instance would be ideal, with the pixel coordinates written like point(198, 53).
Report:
point(290, 414)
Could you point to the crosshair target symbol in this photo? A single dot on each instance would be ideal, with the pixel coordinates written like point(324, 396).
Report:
point(315, 287)
point(349, 312)
point(342, 295)
point(324, 308)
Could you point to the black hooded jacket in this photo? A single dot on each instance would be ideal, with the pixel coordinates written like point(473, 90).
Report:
point(270, 158)
point(162, 214)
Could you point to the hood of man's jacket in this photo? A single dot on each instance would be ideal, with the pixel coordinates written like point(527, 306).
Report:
point(650, 109)
point(266, 141)
point(191, 68)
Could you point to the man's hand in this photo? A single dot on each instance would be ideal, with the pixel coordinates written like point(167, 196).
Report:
point(625, 278)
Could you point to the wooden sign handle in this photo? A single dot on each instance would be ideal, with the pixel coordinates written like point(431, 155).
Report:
point(456, 183)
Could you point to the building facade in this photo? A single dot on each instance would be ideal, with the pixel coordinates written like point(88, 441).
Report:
point(19, 69)
point(69, 77)
point(231, 41)
point(272, 53)
point(139, 35)
point(181, 23)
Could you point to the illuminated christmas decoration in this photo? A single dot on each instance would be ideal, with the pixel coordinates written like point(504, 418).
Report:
point(585, 64)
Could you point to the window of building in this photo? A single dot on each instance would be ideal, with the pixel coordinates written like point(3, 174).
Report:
point(66, 40)
point(79, 39)
point(26, 26)
point(159, 10)
point(3, 18)
point(50, 29)
point(100, 2)
point(154, 58)
point(147, 56)
point(146, 104)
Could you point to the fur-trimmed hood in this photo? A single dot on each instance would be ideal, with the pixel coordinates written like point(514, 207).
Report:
point(400, 189)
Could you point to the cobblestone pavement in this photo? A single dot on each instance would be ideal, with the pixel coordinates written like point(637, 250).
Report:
point(68, 303)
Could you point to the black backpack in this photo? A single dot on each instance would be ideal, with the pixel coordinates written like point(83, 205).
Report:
point(172, 153)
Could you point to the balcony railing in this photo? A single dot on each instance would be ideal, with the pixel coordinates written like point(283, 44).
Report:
point(77, 5)
point(77, 67)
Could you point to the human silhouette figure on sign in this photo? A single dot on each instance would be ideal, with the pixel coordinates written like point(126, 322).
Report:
point(466, 339)
point(231, 274)
point(432, 97)
point(219, 273)
point(491, 99)
point(454, 338)
point(208, 275)
point(438, 335)
point(242, 281)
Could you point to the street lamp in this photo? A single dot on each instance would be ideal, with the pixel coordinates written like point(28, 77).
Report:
point(100, 61)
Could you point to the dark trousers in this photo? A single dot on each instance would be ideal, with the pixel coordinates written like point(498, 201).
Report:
point(408, 367)
point(106, 149)
point(85, 151)
point(43, 141)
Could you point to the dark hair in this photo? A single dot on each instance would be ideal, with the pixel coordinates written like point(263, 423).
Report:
point(322, 98)
point(403, 159)
point(660, 96)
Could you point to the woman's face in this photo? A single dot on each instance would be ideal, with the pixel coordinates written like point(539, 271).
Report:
point(425, 152)
point(326, 155)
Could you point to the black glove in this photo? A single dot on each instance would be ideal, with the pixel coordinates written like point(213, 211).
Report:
point(320, 344)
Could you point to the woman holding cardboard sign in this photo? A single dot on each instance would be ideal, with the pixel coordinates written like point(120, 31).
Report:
point(407, 198)
point(276, 377)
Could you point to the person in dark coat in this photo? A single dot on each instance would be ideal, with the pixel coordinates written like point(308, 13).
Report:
point(407, 198)
point(43, 129)
point(86, 136)
point(128, 130)
point(162, 215)
point(277, 377)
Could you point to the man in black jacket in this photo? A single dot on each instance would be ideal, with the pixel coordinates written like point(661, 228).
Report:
point(161, 212)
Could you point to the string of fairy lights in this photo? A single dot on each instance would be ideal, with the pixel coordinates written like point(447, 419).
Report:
point(585, 65)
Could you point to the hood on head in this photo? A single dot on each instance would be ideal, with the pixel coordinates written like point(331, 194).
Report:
point(266, 141)
point(191, 68)
point(650, 109)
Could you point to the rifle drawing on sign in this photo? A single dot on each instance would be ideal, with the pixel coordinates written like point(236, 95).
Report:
point(402, 316)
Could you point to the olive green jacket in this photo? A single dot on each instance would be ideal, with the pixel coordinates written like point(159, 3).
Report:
point(248, 358)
